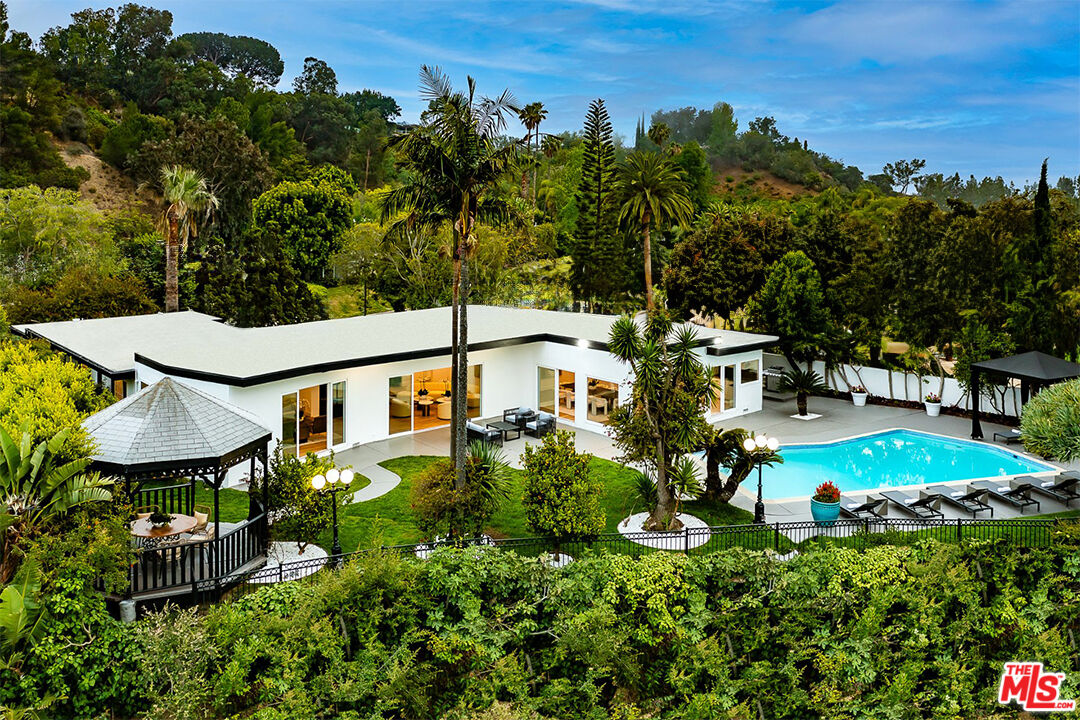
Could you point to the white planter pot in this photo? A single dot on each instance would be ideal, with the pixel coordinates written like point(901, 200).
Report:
point(859, 399)
point(933, 409)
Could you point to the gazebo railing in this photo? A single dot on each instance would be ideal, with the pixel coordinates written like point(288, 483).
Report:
point(172, 499)
point(197, 564)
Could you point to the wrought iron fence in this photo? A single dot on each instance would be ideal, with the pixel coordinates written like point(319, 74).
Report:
point(784, 539)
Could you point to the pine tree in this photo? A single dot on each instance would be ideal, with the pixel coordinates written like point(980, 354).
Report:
point(598, 272)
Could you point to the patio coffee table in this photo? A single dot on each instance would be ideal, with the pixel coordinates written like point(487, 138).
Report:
point(505, 428)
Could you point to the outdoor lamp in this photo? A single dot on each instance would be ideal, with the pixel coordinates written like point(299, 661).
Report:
point(773, 444)
point(318, 482)
point(346, 477)
point(761, 441)
point(749, 444)
point(335, 481)
point(753, 445)
point(332, 475)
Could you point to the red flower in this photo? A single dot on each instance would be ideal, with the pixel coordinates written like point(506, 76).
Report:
point(827, 492)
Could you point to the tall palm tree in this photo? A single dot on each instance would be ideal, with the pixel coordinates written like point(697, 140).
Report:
point(550, 145)
point(531, 116)
point(186, 196)
point(455, 160)
point(653, 193)
point(36, 488)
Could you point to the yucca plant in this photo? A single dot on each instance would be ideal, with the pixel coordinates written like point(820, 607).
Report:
point(684, 479)
point(803, 383)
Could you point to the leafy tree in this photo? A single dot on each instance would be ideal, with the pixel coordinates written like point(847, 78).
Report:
point(455, 162)
point(659, 133)
point(653, 193)
point(1050, 423)
point(238, 55)
point(43, 394)
point(122, 143)
point(717, 267)
point(365, 101)
point(316, 77)
point(140, 39)
point(308, 218)
point(561, 495)
point(186, 196)
point(322, 122)
point(368, 157)
point(235, 170)
point(46, 233)
point(792, 305)
point(686, 124)
point(723, 129)
point(664, 419)
point(694, 164)
point(301, 513)
point(38, 486)
point(254, 286)
point(81, 293)
point(902, 172)
point(82, 52)
point(599, 258)
point(976, 343)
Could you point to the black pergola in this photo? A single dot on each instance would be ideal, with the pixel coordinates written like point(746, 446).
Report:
point(169, 431)
point(1034, 370)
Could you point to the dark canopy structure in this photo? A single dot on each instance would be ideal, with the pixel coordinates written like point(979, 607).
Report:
point(1033, 369)
point(171, 430)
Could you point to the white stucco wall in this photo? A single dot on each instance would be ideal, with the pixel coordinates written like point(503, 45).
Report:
point(508, 379)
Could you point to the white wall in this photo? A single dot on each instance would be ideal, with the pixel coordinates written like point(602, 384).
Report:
point(747, 394)
point(906, 386)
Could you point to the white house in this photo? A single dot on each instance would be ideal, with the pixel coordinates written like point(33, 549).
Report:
point(338, 383)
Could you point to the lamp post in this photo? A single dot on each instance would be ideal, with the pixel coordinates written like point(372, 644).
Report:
point(334, 482)
point(754, 446)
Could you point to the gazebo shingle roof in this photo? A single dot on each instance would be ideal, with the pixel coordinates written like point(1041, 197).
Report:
point(170, 424)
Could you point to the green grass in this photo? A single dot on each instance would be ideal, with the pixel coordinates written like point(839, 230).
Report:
point(348, 301)
point(388, 520)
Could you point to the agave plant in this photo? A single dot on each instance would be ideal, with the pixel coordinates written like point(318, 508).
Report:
point(35, 488)
point(802, 383)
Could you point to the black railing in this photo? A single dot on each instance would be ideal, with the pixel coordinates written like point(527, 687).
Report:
point(199, 564)
point(781, 538)
point(171, 499)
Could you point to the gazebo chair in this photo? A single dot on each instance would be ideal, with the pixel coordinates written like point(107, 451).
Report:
point(202, 517)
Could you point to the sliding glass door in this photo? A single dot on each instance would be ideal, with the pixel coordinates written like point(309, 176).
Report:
point(422, 400)
point(313, 419)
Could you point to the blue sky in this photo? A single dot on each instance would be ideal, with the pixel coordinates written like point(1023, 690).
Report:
point(985, 88)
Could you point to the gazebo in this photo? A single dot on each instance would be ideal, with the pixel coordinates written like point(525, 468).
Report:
point(170, 431)
point(1034, 370)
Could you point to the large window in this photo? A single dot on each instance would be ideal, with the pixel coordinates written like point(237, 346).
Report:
point(748, 373)
point(422, 401)
point(566, 394)
point(603, 399)
point(309, 423)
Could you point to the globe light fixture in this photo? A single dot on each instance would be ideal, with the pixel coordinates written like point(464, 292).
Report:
point(773, 444)
point(761, 441)
point(334, 482)
point(749, 444)
point(754, 446)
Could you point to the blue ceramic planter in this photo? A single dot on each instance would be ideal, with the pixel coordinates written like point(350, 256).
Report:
point(824, 513)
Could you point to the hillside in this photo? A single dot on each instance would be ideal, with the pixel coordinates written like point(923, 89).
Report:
point(108, 189)
point(732, 181)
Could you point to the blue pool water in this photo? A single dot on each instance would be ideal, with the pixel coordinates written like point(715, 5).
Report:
point(891, 458)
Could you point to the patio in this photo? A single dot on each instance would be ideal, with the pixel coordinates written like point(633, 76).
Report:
point(839, 419)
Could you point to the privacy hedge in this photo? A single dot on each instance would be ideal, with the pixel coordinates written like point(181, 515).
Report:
point(892, 632)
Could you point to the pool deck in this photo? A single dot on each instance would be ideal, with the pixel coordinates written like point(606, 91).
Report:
point(841, 419)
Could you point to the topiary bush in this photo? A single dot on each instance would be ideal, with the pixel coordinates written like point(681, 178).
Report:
point(1050, 424)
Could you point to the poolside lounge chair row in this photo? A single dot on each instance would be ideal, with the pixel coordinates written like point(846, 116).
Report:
point(1065, 488)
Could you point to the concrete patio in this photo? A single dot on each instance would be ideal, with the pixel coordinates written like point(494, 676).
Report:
point(839, 419)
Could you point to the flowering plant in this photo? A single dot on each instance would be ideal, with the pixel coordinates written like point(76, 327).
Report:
point(858, 389)
point(827, 492)
point(933, 398)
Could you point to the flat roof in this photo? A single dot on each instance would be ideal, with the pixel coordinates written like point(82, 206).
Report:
point(193, 345)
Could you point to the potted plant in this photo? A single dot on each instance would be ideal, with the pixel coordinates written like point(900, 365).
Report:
point(825, 505)
point(858, 395)
point(159, 519)
point(933, 404)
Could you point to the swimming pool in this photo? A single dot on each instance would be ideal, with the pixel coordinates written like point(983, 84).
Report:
point(889, 459)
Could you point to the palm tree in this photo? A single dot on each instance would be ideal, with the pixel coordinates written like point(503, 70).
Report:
point(186, 196)
point(550, 145)
point(802, 383)
point(653, 193)
point(531, 116)
point(35, 489)
point(659, 134)
point(454, 161)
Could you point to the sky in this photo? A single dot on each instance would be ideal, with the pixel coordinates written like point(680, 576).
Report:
point(975, 87)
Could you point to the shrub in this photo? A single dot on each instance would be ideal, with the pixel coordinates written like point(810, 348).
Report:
point(561, 495)
point(1050, 424)
point(300, 513)
point(442, 509)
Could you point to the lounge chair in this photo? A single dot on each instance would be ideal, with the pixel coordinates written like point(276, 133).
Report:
point(974, 501)
point(542, 424)
point(1017, 495)
point(1062, 488)
point(856, 509)
point(1009, 436)
point(919, 507)
point(477, 432)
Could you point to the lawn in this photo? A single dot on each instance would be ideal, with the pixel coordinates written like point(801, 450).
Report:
point(388, 520)
point(348, 301)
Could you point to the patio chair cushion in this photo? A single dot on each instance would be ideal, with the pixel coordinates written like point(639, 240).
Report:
point(200, 519)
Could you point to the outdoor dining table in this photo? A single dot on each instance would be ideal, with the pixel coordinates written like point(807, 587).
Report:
point(180, 524)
